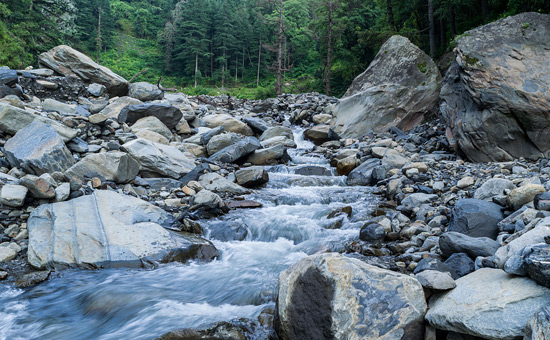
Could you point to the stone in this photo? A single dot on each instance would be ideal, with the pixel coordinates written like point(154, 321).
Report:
point(239, 329)
point(166, 113)
point(452, 242)
point(157, 159)
point(62, 192)
point(206, 199)
point(268, 155)
point(435, 280)
point(495, 108)
point(277, 131)
point(523, 195)
point(151, 136)
point(321, 118)
point(346, 165)
point(8, 77)
point(461, 264)
point(279, 140)
point(93, 232)
point(537, 264)
point(115, 106)
point(465, 182)
point(330, 296)
point(7, 254)
point(70, 62)
point(372, 232)
point(416, 200)
point(219, 142)
point(318, 134)
point(38, 187)
point(152, 123)
point(32, 279)
point(54, 105)
point(542, 201)
point(245, 204)
point(236, 151)
point(38, 149)
point(538, 327)
point(400, 85)
point(229, 124)
point(256, 124)
point(394, 160)
point(362, 175)
point(488, 303)
point(145, 91)
point(217, 183)
point(97, 90)
point(534, 236)
point(252, 177)
point(47, 84)
point(493, 187)
point(476, 218)
point(13, 195)
point(115, 166)
point(13, 119)
point(204, 137)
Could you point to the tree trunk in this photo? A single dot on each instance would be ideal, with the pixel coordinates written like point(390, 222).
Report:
point(453, 22)
point(329, 46)
point(278, 86)
point(259, 62)
point(98, 39)
point(211, 63)
point(485, 9)
point(391, 19)
point(196, 67)
point(432, 27)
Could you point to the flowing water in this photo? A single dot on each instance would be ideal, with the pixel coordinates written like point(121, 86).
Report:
point(144, 304)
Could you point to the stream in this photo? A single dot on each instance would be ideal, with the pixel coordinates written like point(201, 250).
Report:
point(144, 304)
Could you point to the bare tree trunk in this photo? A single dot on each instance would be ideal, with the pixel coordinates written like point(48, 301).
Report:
point(196, 67)
point(98, 39)
point(432, 27)
point(485, 9)
point(391, 18)
point(278, 86)
point(329, 46)
point(259, 63)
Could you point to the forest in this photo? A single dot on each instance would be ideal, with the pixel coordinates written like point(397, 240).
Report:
point(248, 48)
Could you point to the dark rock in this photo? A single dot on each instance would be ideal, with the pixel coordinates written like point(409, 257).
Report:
point(538, 327)
point(434, 264)
point(476, 218)
point(252, 177)
point(542, 201)
point(372, 232)
point(318, 134)
point(241, 329)
point(460, 264)
point(227, 231)
point(166, 113)
point(362, 175)
point(537, 264)
point(236, 151)
point(8, 77)
point(245, 204)
point(256, 124)
point(453, 242)
point(32, 279)
point(207, 136)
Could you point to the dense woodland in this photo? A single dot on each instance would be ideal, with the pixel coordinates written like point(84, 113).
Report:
point(249, 48)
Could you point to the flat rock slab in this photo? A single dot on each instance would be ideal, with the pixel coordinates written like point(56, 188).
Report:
point(488, 303)
point(38, 149)
point(329, 296)
point(107, 229)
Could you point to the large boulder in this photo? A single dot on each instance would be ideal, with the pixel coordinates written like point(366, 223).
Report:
point(115, 166)
point(107, 229)
point(159, 160)
point(13, 119)
point(115, 106)
point(400, 85)
point(166, 113)
point(452, 243)
point(236, 151)
point(329, 296)
point(538, 327)
point(68, 61)
point(145, 91)
point(476, 218)
point(38, 149)
point(488, 303)
point(229, 124)
point(495, 96)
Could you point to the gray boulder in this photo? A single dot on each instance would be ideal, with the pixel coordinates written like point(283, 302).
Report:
point(362, 175)
point(13, 195)
point(453, 242)
point(488, 303)
point(217, 183)
point(115, 166)
point(496, 108)
point(493, 187)
point(153, 124)
point(236, 151)
point(219, 142)
point(115, 106)
point(38, 187)
point(476, 218)
point(107, 229)
point(256, 124)
point(318, 134)
point(97, 90)
point(145, 91)
point(317, 301)
point(531, 237)
point(268, 155)
point(13, 119)
point(159, 160)
point(8, 77)
point(252, 177)
point(38, 149)
point(277, 131)
point(399, 86)
point(229, 123)
point(538, 327)
point(436, 280)
point(166, 113)
point(68, 61)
